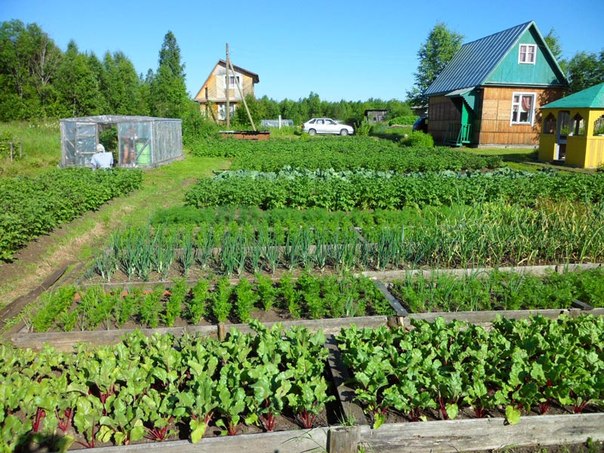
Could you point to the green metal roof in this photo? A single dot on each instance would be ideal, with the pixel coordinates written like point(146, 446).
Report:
point(477, 60)
point(592, 97)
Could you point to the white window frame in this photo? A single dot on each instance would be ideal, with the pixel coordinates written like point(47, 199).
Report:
point(527, 53)
point(233, 80)
point(519, 104)
point(222, 111)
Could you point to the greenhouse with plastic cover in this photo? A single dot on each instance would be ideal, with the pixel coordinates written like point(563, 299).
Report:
point(134, 141)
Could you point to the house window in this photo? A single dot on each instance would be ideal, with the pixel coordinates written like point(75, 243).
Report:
point(523, 106)
point(578, 125)
point(233, 81)
point(599, 126)
point(222, 111)
point(527, 53)
point(549, 124)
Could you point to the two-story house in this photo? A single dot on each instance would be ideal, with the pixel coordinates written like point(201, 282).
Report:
point(491, 91)
point(212, 94)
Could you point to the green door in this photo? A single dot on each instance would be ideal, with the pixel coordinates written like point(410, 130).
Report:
point(467, 119)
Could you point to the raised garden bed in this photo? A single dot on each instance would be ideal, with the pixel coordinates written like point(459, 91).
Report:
point(208, 302)
point(402, 436)
point(451, 435)
point(253, 241)
point(161, 387)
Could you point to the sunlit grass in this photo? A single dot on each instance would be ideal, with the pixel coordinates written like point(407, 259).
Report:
point(40, 143)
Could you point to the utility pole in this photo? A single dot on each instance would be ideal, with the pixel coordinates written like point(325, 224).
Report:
point(226, 90)
point(249, 115)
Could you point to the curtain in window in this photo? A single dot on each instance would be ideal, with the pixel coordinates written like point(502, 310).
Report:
point(527, 103)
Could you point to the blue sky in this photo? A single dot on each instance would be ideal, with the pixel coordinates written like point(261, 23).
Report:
point(352, 50)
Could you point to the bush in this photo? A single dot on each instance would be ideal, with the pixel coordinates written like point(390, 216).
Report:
point(363, 129)
point(195, 127)
point(406, 120)
point(418, 140)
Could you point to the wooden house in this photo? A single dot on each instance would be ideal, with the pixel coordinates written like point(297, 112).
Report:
point(212, 94)
point(573, 129)
point(491, 91)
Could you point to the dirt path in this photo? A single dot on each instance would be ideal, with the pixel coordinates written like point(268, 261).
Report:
point(66, 247)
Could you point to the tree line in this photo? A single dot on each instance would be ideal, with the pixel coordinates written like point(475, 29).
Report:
point(39, 80)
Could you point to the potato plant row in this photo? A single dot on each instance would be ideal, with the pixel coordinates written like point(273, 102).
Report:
point(368, 190)
point(499, 291)
point(378, 156)
point(442, 369)
point(310, 297)
point(160, 388)
point(338, 154)
point(490, 234)
point(30, 207)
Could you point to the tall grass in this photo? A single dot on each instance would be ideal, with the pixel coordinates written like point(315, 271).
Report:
point(41, 145)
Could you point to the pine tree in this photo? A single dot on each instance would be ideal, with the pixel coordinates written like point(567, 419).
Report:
point(168, 95)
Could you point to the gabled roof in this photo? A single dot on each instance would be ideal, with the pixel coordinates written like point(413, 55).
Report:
point(253, 75)
point(592, 97)
point(476, 60)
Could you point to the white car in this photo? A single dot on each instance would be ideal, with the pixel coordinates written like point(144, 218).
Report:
point(326, 126)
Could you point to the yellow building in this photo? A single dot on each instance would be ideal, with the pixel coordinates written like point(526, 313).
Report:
point(212, 94)
point(573, 129)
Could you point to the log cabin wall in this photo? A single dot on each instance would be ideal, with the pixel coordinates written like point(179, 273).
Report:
point(442, 113)
point(494, 116)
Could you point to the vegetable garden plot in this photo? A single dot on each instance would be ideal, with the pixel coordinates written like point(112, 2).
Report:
point(499, 291)
point(206, 302)
point(382, 157)
point(338, 154)
point(459, 236)
point(30, 207)
point(162, 388)
point(364, 189)
point(444, 370)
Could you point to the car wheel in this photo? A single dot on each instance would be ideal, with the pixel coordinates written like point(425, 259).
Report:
point(312, 132)
point(343, 132)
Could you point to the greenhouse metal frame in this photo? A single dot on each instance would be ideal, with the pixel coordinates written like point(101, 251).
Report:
point(135, 141)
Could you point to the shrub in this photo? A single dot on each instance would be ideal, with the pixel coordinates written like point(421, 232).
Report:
point(418, 140)
point(405, 120)
point(363, 129)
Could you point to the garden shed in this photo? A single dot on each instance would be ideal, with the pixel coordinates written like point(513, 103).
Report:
point(573, 129)
point(135, 141)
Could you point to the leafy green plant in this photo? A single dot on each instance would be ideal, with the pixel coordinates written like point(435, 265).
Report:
point(245, 300)
point(53, 305)
point(521, 365)
point(34, 206)
point(221, 300)
point(267, 293)
point(175, 302)
point(151, 307)
point(290, 296)
point(198, 304)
